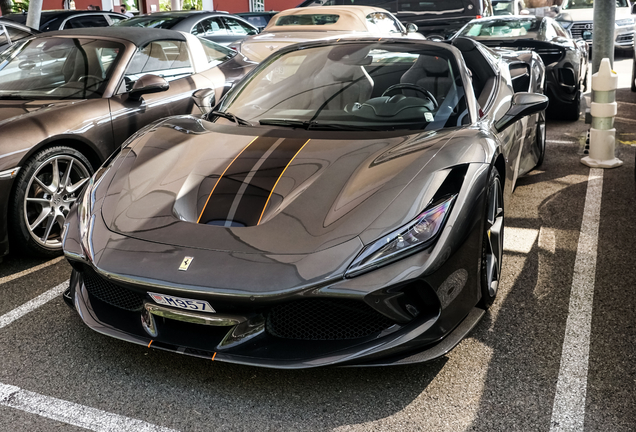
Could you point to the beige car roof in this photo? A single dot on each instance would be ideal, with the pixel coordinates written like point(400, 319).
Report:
point(352, 18)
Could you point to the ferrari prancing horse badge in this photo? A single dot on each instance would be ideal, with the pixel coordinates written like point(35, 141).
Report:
point(185, 263)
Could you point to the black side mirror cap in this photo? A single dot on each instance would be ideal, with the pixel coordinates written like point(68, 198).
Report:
point(523, 104)
point(148, 84)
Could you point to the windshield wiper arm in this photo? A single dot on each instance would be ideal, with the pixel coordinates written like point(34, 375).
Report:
point(230, 116)
point(313, 125)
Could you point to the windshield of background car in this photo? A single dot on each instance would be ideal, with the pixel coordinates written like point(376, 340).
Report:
point(527, 28)
point(58, 68)
point(588, 4)
point(307, 20)
point(150, 22)
point(395, 6)
point(378, 86)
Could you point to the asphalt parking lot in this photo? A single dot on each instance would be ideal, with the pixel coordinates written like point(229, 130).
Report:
point(569, 234)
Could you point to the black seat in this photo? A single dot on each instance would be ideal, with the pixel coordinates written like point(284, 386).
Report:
point(431, 73)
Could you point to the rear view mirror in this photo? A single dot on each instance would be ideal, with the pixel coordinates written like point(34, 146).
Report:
point(205, 99)
point(523, 105)
point(148, 84)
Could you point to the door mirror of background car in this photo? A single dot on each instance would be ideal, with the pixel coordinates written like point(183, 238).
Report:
point(523, 104)
point(205, 99)
point(26, 65)
point(148, 84)
point(411, 28)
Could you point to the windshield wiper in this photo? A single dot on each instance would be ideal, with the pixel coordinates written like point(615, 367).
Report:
point(14, 97)
point(230, 116)
point(313, 125)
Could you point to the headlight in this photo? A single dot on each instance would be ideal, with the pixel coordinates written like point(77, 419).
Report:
point(625, 22)
point(416, 235)
point(85, 207)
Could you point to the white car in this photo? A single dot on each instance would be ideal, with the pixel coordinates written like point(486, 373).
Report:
point(325, 22)
point(577, 16)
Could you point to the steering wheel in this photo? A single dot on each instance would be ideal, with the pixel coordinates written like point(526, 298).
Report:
point(417, 88)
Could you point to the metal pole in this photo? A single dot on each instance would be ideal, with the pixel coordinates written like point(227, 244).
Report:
point(33, 15)
point(603, 36)
point(175, 5)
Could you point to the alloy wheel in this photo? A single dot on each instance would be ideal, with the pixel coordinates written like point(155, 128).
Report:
point(50, 192)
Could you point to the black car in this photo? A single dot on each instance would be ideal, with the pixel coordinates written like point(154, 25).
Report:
point(219, 27)
point(258, 19)
point(566, 59)
point(437, 20)
point(11, 32)
point(69, 19)
point(343, 204)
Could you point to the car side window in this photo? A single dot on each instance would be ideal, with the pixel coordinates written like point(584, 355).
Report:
point(210, 27)
point(15, 34)
point(379, 22)
point(216, 53)
point(115, 18)
point(168, 59)
point(238, 28)
point(86, 21)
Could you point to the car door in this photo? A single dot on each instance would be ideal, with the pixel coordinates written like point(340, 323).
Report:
point(165, 58)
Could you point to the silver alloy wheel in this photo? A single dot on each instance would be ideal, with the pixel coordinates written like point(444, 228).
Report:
point(494, 232)
point(51, 191)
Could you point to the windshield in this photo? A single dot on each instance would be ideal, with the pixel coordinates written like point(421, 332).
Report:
point(502, 28)
point(588, 4)
point(58, 68)
point(151, 22)
point(352, 86)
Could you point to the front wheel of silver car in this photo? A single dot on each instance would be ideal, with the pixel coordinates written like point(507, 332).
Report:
point(492, 243)
point(46, 188)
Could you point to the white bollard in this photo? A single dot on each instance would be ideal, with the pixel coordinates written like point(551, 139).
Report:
point(603, 111)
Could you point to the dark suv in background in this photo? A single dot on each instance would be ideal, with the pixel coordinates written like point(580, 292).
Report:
point(435, 19)
point(68, 19)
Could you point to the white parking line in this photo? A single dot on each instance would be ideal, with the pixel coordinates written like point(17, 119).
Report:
point(31, 305)
point(29, 271)
point(72, 413)
point(568, 412)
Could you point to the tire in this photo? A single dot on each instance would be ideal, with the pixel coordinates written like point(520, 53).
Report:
point(540, 139)
point(492, 242)
point(42, 197)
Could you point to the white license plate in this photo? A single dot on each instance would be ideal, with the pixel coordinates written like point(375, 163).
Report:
point(182, 303)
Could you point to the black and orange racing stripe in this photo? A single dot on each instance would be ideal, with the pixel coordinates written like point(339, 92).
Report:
point(242, 192)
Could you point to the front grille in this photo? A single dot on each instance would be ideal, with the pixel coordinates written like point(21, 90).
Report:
point(325, 319)
point(580, 27)
point(110, 293)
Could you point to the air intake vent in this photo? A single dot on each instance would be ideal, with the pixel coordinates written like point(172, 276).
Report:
point(325, 319)
point(110, 293)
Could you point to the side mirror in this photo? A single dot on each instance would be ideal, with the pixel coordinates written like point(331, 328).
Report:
point(634, 9)
point(26, 65)
point(523, 105)
point(411, 28)
point(205, 99)
point(148, 84)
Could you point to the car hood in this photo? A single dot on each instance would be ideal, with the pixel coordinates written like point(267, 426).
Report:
point(279, 192)
point(12, 109)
